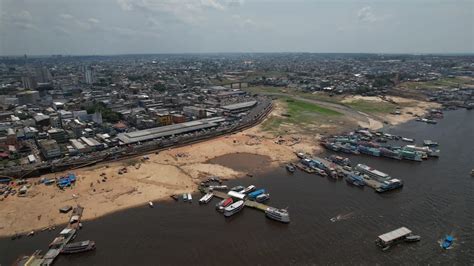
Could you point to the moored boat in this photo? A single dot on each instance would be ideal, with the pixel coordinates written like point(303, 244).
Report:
point(233, 208)
point(290, 168)
point(262, 197)
point(256, 193)
point(219, 187)
point(280, 215)
point(372, 173)
point(78, 247)
point(248, 189)
point(412, 238)
point(206, 198)
point(430, 143)
point(237, 188)
point(185, 197)
point(224, 203)
point(389, 185)
point(190, 198)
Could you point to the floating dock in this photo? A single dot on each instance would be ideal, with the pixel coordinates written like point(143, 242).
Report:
point(248, 203)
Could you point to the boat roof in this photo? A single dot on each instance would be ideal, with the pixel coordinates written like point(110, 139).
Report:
point(395, 234)
point(65, 231)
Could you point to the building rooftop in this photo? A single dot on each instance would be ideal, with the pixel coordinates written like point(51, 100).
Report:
point(165, 131)
point(237, 106)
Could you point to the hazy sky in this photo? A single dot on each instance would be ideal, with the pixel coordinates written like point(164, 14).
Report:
point(174, 26)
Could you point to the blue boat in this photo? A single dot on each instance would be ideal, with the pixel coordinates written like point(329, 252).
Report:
point(254, 194)
point(5, 180)
point(447, 241)
point(355, 180)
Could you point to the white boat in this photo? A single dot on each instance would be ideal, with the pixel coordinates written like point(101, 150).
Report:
point(280, 215)
point(233, 208)
point(190, 198)
point(408, 140)
point(427, 150)
point(206, 198)
point(185, 197)
point(222, 187)
point(150, 204)
point(237, 188)
point(248, 189)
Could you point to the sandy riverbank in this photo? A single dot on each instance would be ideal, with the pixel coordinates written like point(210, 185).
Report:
point(173, 171)
point(409, 110)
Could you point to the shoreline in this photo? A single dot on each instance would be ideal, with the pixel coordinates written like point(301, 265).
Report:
point(171, 171)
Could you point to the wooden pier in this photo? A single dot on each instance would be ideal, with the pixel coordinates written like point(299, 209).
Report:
point(56, 246)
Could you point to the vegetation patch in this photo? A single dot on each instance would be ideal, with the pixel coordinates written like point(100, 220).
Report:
point(453, 82)
point(372, 106)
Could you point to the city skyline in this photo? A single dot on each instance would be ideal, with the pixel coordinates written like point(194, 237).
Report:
point(234, 26)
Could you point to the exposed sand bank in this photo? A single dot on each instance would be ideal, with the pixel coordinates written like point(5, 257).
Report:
point(409, 110)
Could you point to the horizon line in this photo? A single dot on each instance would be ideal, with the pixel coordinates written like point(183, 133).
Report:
point(215, 53)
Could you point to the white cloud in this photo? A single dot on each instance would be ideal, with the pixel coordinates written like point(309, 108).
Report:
point(187, 11)
point(21, 20)
point(66, 16)
point(93, 20)
point(366, 14)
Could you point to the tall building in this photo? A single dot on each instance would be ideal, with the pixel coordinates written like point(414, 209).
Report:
point(29, 82)
point(88, 75)
point(43, 75)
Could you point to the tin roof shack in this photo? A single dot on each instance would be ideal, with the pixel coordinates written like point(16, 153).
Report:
point(390, 238)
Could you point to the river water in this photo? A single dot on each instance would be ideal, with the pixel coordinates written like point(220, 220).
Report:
point(437, 199)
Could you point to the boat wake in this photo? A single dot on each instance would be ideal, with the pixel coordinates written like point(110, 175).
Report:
point(342, 217)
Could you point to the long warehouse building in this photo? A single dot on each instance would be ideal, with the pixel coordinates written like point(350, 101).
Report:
point(166, 131)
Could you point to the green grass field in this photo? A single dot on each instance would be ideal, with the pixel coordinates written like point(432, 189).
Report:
point(372, 106)
point(300, 114)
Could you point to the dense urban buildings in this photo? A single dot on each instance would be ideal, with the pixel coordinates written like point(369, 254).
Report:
point(62, 108)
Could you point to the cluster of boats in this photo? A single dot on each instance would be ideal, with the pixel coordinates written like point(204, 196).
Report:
point(339, 167)
point(235, 200)
point(365, 142)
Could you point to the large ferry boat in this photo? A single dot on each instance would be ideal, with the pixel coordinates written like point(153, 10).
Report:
point(280, 215)
point(233, 208)
point(372, 173)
